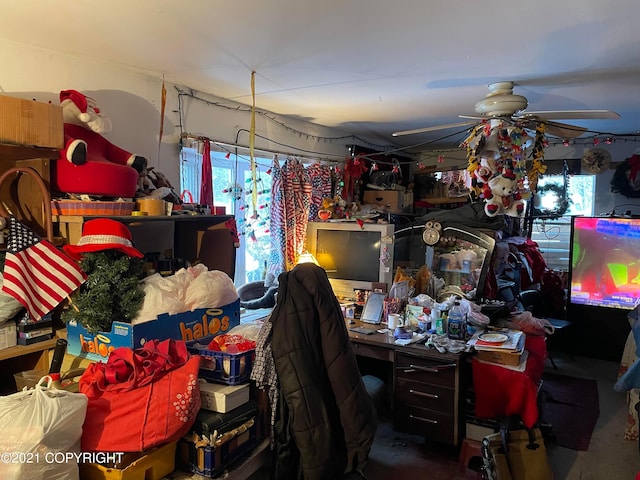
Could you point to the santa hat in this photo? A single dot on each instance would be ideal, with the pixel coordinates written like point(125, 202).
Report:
point(80, 100)
point(103, 234)
point(510, 174)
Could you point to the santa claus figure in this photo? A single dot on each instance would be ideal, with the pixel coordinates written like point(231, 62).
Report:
point(90, 164)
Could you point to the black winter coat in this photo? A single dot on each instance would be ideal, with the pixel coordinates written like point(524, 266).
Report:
point(326, 421)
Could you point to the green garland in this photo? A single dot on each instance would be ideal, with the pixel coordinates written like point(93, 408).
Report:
point(560, 208)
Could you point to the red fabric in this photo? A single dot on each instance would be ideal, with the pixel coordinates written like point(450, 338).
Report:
point(106, 171)
point(501, 392)
point(206, 182)
point(536, 262)
point(140, 398)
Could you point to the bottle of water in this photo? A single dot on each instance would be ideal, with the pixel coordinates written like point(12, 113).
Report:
point(455, 322)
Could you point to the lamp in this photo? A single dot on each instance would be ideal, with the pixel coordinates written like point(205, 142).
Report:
point(306, 257)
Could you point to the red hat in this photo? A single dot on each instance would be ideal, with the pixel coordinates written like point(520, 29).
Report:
point(80, 100)
point(103, 234)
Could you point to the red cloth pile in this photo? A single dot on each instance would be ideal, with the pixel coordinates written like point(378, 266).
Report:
point(501, 392)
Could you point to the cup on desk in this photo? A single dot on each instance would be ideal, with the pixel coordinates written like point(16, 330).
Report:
point(394, 320)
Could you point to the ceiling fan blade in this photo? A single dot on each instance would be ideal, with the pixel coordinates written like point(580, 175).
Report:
point(573, 114)
point(562, 130)
point(432, 129)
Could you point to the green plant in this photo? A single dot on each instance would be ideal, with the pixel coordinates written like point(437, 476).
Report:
point(111, 293)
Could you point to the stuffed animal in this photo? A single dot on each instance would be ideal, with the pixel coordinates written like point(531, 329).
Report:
point(501, 197)
point(90, 164)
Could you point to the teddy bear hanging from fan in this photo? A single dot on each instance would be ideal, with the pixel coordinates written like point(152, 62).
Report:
point(596, 160)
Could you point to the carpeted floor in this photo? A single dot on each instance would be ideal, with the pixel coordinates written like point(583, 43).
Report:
point(571, 406)
point(397, 456)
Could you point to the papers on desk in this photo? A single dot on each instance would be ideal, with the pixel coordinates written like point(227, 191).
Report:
point(415, 338)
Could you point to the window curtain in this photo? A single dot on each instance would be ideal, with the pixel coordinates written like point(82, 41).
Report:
point(291, 190)
point(206, 186)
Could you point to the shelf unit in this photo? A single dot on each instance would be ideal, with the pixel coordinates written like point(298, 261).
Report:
point(176, 236)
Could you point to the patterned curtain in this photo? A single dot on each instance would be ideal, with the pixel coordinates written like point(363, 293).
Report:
point(291, 201)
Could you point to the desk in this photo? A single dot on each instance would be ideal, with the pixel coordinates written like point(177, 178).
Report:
point(428, 387)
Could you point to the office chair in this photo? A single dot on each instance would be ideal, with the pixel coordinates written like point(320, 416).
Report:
point(535, 302)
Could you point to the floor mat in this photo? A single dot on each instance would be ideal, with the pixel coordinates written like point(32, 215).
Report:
point(571, 406)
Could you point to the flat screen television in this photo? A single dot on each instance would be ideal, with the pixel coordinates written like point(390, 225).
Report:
point(605, 262)
point(355, 257)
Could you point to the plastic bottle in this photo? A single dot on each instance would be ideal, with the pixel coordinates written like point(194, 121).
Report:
point(456, 325)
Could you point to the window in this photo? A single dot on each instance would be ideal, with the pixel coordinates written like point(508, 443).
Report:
point(232, 188)
point(553, 235)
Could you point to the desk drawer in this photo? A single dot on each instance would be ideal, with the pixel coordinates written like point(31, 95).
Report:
point(379, 353)
point(426, 370)
point(432, 397)
point(419, 421)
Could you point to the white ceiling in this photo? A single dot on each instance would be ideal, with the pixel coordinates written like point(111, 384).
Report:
point(369, 67)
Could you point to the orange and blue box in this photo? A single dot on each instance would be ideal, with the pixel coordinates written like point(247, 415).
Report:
point(200, 325)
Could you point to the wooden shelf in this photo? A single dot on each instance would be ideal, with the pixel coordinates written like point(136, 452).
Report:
point(21, 350)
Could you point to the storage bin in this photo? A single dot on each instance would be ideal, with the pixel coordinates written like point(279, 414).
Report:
point(154, 465)
point(92, 208)
point(223, 367)
point(210, 461)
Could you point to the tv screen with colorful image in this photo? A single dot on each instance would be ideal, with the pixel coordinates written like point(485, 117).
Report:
point(605, 262)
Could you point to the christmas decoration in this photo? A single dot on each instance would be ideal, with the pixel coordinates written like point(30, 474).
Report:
point(112, 291)
point(90, 164)
point(560, 202)
point(626, 178)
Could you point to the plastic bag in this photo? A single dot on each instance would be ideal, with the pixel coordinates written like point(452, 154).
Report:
point(38, 427)
point(531, 325)
point(212, 288)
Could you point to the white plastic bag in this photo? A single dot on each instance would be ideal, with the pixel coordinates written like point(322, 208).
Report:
point(37, 428)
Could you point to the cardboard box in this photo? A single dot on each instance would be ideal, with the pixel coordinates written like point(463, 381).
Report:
point(30, 123)
point(392, 200)
point(8, 335)
point(155, 464)
point(506, 357)
point(200, 325)
point(223, 398)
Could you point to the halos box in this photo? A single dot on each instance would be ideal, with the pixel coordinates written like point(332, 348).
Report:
point(199, 325)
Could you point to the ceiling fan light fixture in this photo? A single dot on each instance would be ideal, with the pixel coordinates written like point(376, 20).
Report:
point(502, 104)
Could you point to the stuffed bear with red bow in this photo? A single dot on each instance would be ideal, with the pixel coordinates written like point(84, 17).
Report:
point(502, 197)
point(89, 163)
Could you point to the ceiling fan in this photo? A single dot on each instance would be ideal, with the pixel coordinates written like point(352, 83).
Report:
point(502, 104)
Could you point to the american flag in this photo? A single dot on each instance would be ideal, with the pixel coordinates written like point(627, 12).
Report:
point(36, 273)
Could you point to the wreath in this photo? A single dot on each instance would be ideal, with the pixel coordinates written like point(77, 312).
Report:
point(560, 208)
point(626, 179)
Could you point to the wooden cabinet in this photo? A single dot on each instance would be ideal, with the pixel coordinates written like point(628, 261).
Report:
point(428, 395)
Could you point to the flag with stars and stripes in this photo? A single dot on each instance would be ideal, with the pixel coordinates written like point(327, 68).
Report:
point(36, 273)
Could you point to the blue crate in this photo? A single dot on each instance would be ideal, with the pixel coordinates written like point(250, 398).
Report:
point(211, 461)
point(224, 367)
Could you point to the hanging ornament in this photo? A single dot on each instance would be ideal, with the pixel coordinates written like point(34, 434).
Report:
point(233, 191)
point(374, 167)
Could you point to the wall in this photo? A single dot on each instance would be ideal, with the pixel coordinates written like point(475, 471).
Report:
point(133, 101)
